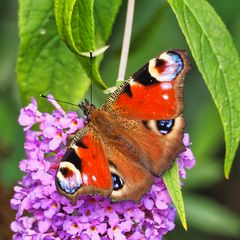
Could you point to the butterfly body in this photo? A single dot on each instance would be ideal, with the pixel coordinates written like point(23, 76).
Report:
point(133, 137)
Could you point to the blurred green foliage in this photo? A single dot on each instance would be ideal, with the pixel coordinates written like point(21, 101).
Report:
point(11, 136)
point(212, 206)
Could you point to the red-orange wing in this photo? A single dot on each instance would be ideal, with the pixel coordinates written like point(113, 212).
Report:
point(84, 168)
point(153, 92)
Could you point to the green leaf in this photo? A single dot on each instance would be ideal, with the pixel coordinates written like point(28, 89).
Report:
point(104, 20)
point(209, 216)
point(76, 26)
point(172, 182)
point(218, 61)
point(45, 65)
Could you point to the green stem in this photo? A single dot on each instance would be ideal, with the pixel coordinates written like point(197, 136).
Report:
point(126, 40)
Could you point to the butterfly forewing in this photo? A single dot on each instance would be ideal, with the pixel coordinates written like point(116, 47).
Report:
point(153, 92)
point(84, 168)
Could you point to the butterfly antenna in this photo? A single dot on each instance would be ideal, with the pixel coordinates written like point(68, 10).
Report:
point(57, 100)
point(91, 75)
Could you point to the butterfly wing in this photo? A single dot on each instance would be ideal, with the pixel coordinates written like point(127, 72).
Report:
point(136, 151)
point(152, 144)
point(92, 166)
point(84, 168)
point(130, 180)
point(153, 92)
point(146, 114)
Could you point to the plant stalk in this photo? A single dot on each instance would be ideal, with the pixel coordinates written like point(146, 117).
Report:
point(126, 40)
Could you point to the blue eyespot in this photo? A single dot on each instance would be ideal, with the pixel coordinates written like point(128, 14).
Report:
point(117, 182)
point(165, 126)
point(178, 60)
point(68, 178)
point(68, 188)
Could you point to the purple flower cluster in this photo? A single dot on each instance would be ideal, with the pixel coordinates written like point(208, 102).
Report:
point(41, 213)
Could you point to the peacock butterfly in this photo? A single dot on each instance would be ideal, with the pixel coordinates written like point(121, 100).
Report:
point(134, 136)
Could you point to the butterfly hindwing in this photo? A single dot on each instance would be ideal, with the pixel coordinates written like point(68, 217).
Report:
point(130, 179)
point(151, 144)
point(137, 151)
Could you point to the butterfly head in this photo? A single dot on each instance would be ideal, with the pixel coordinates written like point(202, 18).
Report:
point(87, 108)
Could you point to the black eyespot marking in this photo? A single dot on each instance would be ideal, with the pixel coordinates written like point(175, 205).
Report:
point(66, 172)
point(71, 156)
point(112, 164)
point(127, 90)
point(145, 124)
point(80, 144)
point(165, 126)
point(159, 62)
point(117, 182)
point(143, 77)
